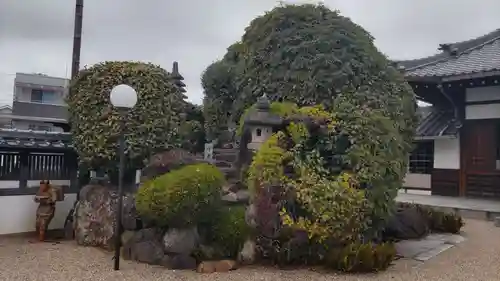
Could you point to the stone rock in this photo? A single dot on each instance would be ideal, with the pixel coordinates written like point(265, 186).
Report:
point(248, 253)
point(216, 266)
point(143, 246)
point(166, 261)
point(206, 267)
point(150, 252)
point(251, 216)
point(225, 265)
point(207, 252)
point(407, 224)
point(95, 215)
point(231, 187)
point(181, 241)
point(231, 197)
point(126, 236)
point(243, 196)
point(130, 217)
point(181, 261)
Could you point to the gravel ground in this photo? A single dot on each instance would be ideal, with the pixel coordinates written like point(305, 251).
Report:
point(475, 259)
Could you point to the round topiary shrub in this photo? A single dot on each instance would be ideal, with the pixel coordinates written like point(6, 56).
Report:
point(151, 126)
point(181, 197)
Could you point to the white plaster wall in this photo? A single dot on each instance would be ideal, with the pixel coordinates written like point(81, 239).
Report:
point(447, 153)
point(482, 94)
point(482, 111)
point(417, 180)
point(18, 213)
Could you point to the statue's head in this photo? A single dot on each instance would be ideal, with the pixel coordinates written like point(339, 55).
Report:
point(44, 185)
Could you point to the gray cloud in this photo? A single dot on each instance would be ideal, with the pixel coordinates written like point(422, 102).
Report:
point(36, 35)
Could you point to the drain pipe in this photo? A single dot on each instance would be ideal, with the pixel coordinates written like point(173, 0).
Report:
point(456, 117)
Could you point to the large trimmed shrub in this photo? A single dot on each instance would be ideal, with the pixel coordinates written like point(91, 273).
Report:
point(307, 54)
point(151, 126)
point(181, 197)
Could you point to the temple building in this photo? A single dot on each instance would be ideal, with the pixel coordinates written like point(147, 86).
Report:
point(457, 149)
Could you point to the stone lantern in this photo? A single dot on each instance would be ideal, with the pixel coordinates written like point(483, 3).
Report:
point(261, 123)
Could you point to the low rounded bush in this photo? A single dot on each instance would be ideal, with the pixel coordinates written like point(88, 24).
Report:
point(358, 257)
point(438, 221)
point(446, 222)
point(181, 197)
point(229, 230)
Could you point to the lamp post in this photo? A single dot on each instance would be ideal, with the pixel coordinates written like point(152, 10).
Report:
point(123, 97)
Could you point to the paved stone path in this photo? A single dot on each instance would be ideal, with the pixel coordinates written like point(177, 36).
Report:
point(428, 247)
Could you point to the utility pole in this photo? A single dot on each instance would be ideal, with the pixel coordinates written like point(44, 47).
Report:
point(77, 38)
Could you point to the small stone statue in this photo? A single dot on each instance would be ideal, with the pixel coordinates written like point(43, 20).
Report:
point(46, 197)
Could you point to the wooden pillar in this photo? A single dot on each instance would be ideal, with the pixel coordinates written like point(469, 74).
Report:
point(23, 169)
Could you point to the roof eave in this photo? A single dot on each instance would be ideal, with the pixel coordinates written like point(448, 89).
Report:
point(467, 76)
point(452, 78)
point(444, 137)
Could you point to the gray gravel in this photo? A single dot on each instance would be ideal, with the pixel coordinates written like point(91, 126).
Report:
point(478, 259)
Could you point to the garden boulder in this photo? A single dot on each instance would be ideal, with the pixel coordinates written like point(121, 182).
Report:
point(407, 224)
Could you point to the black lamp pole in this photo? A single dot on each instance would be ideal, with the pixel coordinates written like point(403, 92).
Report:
point(118, 228)
point(123, 98)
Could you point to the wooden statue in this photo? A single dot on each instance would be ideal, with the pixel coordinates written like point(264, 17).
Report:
point(46, 197)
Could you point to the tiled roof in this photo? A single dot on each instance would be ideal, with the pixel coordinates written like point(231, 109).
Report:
point(34, 139)
point(435, 123)
point(477, 55)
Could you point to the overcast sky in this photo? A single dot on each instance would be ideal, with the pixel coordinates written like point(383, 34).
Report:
point(36, 35)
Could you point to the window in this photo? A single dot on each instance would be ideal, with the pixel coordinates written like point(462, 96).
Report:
point(422, 158)
point(259, 132)
point(42, 96)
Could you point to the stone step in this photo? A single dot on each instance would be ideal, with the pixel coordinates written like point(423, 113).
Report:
point(497, 221)
point(226, 157)
point(229, 172)
point(222, 164)
point(468, 213)
point(239, 197)
point(226, 150)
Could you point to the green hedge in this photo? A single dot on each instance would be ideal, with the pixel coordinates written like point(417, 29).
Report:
point(181, 197)
point(358, 257)
point(229, 230)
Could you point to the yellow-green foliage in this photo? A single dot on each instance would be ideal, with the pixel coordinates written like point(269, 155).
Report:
point(267, 164)
point(298, 131)
point(180, 197)
point(338, 209)
point(357, 257)
point(230, 230)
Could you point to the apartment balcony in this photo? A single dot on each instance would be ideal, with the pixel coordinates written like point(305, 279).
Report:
point(41, 110)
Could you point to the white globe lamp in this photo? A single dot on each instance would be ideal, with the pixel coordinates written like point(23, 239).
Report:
point(123, 96)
